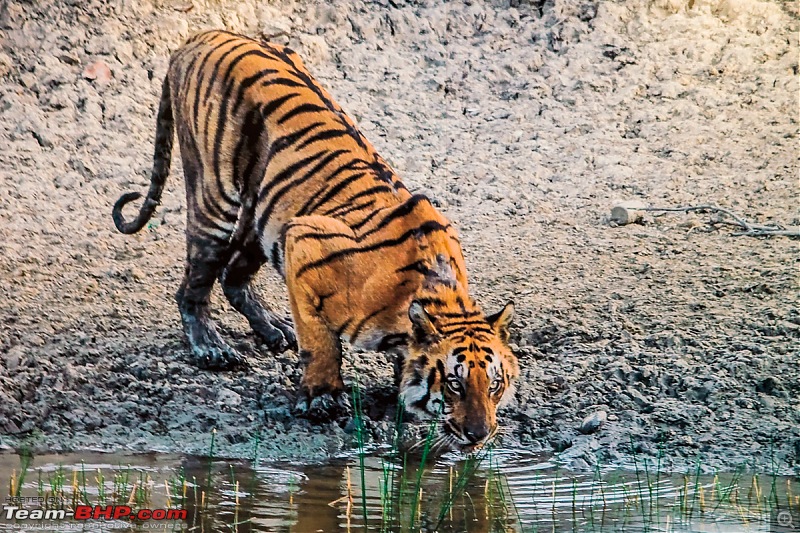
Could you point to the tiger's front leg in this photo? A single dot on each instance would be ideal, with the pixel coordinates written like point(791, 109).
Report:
point(317, 269)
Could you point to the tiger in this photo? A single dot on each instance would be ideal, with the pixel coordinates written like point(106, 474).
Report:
point(275, 171)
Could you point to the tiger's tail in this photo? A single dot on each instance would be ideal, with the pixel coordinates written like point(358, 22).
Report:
point(165, 132)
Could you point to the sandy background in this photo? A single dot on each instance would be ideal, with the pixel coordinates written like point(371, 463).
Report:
point(524, 122)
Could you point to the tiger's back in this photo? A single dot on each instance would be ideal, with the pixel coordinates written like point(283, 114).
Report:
point(253, 110)
point(276, 171)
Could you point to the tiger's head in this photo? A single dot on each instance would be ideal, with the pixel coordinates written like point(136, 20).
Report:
point(461, 369)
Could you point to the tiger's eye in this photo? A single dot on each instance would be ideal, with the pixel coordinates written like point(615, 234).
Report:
point(454, 385)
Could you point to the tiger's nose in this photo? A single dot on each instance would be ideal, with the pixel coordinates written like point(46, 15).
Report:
point(476, 433)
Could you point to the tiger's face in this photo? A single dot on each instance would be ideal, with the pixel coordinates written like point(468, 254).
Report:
point(461, 371)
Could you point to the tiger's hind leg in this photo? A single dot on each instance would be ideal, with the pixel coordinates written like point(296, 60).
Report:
point(308, 240)
point(208, 250)
point(205, 258)
point(277, 332)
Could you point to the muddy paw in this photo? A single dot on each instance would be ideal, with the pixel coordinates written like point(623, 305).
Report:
point(284, 325)
point(325, 408)
point(277, 333)
point(214, 354)
point(272, 337)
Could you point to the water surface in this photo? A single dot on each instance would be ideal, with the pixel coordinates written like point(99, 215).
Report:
point(508, 491)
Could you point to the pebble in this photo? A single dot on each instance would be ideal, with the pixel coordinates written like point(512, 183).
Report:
point(97, 72)
point(5, 64)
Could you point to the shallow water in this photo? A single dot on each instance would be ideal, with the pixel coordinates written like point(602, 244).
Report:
point(509, 491)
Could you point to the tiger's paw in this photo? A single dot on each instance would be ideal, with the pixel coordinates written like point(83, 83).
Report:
point(327, 407)
point(277, 334)
point(210, 352)
point(220, 358)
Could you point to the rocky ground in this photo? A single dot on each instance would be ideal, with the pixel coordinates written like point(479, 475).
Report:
point(525, 122)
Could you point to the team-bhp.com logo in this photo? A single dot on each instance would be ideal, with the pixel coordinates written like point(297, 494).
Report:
point(94, 512)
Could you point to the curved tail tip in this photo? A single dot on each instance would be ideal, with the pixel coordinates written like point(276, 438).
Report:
point(116, 213)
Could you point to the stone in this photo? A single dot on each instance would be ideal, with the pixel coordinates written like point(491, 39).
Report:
point(229, 398)
point(593, 422)
point(98, 72)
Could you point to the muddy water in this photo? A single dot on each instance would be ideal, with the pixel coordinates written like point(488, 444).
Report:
point(508, 491)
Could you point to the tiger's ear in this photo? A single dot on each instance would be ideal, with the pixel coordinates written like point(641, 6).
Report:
point(501, 321)
point(421, 324)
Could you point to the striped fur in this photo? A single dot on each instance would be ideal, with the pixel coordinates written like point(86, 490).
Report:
point(276, 172)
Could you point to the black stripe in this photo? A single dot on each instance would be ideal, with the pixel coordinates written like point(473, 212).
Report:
point(453, 430)
point(268, 109)
point(346, 211)
point(463, 323)
point(275, 256)
point(449, 330)
point(324, 135)
point(423, 402)
point(417, 266)
point(282, 143)
point(211, 82)
point(249, 135)
point(440, 368)
point(424, 229)
point(319, 305)
point(315, 235)
point(222, 121)
point(288, 172)
point(460, 301)
point(213, 208)
point(343, 327)
point(468, 314)
point(249, 82)
point(301, 110)
point(294, 183)
point(403, 210)
point(351, 165)
point(202, 235)
point(312, 84)
point(199, 78)
point(339, 187)
point(429, 301)
point(364, 321)
point(218, 65)
point(285, 82)
point(208, 205)
point(361, 194)
point(191, 47)
point(392, 341)
point(370, 216)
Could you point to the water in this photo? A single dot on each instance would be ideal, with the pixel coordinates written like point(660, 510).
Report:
point(509, 491)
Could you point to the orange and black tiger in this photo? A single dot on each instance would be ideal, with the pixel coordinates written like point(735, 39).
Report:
point(276, 171)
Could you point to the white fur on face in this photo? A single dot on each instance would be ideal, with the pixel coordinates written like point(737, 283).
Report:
point(508, 395)
point(462, 370)
point(413, 394)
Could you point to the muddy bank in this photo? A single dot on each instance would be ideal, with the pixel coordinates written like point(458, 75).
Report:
point(525, 123)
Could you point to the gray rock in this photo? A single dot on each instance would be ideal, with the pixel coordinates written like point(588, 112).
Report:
point(593, 422)
point(229, 398)
point(579, 465)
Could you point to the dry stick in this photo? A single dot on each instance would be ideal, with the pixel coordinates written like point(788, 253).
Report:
point(753, 230)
